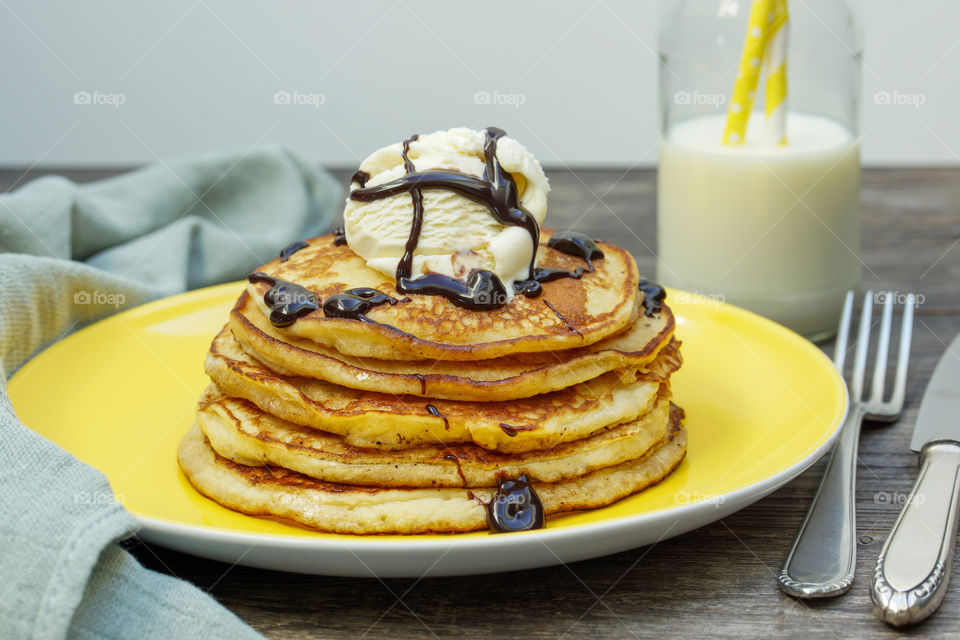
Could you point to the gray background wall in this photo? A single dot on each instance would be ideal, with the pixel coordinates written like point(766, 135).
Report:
point(199, 74)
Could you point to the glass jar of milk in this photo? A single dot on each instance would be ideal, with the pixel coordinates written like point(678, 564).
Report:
point(772, 228)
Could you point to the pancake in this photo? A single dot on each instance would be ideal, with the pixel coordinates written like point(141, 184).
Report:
point(384, 421)
point(242, 432)
point(598, 305)
point(341, 508)
point(496, 379)
point(519, 374)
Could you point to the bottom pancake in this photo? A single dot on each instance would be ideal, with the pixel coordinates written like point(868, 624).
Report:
point(240, 431)
point(339, 508)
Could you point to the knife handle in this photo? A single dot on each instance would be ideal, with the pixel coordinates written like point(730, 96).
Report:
point(821, 561)
point(913, 569)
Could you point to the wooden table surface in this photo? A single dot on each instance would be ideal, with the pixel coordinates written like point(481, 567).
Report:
point(717, 581)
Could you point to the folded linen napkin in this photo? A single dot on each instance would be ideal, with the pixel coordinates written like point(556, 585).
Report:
point(146, 234)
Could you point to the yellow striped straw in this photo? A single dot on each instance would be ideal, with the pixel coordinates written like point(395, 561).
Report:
point(775, 64)
point(748, 75)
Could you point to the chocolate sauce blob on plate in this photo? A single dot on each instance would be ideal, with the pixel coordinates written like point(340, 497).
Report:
point(515, 507)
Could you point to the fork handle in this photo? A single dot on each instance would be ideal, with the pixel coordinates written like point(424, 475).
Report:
point(823, 557)
point(913, 569)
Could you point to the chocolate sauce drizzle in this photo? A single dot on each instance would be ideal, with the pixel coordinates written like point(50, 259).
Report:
point(546, 274)
point(532, 288)
point(423, 384)
point(432, 410)
point(653, 297)
point(563, 318)
point(482, 289)
point(576, 244)
point(287, 301)
point(455, 460)
point(512, 430)
point(360, 177)
point(515, 507)
point(571, 243)
point(496, 190)
point(355, 303)
point(291, 249)
point(407, 163)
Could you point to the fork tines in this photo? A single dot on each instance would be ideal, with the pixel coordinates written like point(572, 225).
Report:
point(876, 407)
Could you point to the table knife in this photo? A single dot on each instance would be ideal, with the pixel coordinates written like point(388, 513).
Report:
point(912, 571)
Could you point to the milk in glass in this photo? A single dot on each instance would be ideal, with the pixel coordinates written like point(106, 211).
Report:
point(774, 229)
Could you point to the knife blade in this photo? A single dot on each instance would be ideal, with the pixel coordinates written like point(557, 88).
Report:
point(913, 568)
point(937, 418)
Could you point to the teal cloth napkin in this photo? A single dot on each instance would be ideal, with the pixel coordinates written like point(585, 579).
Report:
point(73, 254)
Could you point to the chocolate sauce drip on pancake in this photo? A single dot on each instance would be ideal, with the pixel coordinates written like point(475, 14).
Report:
point(562, 318)
point(454, 459)
point(339, 236)
point(571, 243)
point(360, 177)
point(532, 288)
point(576, 244)
point(653, 297)
point(423, 384)
point(546, 274)
point(496, 190)
point(482, 290)
point(287, 301)
point(355, 303)
point(515, 507)
point(432, 410)
point(512, 430)
point(291, 249)
point(529, 288)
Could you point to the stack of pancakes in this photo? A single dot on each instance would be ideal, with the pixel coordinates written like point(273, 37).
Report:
point(414, 416)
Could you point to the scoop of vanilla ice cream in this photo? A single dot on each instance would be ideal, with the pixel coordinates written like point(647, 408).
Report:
point(458, 234)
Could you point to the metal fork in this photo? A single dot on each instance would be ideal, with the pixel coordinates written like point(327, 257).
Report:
point(823, 557)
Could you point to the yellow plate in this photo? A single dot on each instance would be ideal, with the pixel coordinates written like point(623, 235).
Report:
point(762, 405)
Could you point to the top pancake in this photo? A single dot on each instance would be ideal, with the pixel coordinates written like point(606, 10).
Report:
point(509, 377)
point(596, 306)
